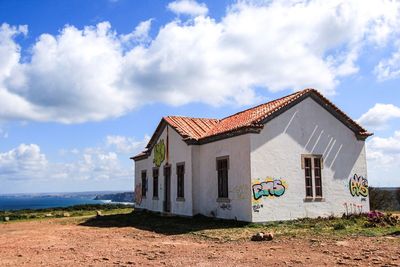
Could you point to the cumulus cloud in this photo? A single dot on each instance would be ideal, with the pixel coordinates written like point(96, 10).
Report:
point(389, 68)
point(109, 161)
point(22, 161)
point(124, 144)
point(383, 155)
point(94, 73)
point(188, 7)
point(379, 115)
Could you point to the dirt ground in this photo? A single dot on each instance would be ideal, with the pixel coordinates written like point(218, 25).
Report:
point(63, 242)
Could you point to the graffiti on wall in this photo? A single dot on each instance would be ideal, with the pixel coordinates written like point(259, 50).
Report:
point(226, 206)
point(270, 188)
point(257, 207)
point(159, 153)
point(138, 194)
point(358, 186)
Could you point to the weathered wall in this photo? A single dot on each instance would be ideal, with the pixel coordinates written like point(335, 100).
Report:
point(179, 152)
point(205, 187)
point(306, 128)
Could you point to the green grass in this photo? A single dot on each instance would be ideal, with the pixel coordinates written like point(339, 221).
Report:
point(204, 227)
point(73, 211)
point(225, 230)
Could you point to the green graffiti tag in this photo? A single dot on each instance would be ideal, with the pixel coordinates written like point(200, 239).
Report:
point(159, 153)
point(358, 186)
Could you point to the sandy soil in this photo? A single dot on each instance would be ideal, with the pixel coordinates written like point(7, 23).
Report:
point(62, 242)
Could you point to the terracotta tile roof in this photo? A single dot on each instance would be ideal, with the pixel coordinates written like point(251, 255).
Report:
point(191, 128)
point(252, 117)
point(201, 130)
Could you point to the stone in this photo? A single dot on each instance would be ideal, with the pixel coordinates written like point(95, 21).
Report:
point(6, 219)
point(98, 213)
point(262, 237)
point(269, 236)
point(48, 215)
point(66, 214)
point(258, 237)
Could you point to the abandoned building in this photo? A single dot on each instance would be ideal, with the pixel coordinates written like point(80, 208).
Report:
point(297, 156)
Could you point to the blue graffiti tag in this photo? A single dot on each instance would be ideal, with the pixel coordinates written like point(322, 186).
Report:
point(274, 188)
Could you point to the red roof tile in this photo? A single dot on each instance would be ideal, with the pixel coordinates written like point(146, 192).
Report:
point(201, 129)
point(192, 128)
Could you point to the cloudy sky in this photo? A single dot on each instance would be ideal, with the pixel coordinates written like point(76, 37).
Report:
point(84, 83)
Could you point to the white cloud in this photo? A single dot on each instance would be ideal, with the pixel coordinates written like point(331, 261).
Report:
point(109, 161)
point(125, 144)
point(379, 115)
point(140, 34)
point(22, 161)
point(389, 68)
point(93, 73)
point(383, 155)
point(188, 7)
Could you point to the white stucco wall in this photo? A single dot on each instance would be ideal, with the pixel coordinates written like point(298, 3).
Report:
point(306, 128)
point(179, 152)
point(205, 184)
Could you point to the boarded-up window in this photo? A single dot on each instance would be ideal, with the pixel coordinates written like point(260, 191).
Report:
point(155, 182)
point(144, 184)
point(222, 170)
point(180, 173)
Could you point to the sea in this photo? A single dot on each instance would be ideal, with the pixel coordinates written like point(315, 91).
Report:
point(19, 202)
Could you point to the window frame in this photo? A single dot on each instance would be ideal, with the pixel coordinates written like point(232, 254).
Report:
point(180, 181)
point(144, 183)
point(313, 176)
point(222, 179)
point(156, 182)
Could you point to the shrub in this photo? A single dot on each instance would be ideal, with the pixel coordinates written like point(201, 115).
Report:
point(339, 226)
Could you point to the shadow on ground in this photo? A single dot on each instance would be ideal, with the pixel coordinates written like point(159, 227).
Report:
point(168, 225)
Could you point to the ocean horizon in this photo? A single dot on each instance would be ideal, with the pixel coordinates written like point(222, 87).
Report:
point(43, 201)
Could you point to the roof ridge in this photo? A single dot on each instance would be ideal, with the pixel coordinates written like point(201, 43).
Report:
point(187, 117)
point(275, 100)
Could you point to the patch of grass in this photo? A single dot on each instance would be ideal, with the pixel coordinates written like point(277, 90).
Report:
point(226, 230)
point(73, 211)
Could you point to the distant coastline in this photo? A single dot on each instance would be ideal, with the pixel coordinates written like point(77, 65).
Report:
point(53, 200)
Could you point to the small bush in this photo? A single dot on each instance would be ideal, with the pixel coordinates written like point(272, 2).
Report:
point(376, 218)
point(339, 226)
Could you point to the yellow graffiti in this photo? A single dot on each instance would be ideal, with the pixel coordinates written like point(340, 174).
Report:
point(358, 186)
point(159, 153)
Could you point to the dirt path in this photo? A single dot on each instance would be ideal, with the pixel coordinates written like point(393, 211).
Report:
point(61, 242)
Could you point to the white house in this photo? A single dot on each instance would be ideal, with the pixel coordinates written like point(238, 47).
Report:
point(297, 156)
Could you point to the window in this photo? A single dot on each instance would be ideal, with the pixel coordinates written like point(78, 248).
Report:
point(307, 170)
point(312, 165)
point(222, 171)
point(180, 173)
point(155, 183)
point(144, 184)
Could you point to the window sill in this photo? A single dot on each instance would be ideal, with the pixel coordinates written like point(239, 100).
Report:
point(314, 199)
point(223, 200)
point(180, 199)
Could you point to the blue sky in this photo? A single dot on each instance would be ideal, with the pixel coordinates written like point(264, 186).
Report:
point(83, 84)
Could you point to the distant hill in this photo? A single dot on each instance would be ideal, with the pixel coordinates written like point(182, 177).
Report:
point(117, 197)
point(384, 198)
